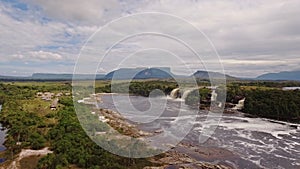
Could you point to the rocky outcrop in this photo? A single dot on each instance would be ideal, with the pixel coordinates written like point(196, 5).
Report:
point(116, 121)
point(176, 160)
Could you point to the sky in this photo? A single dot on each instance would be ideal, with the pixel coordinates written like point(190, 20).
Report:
point(251, 37)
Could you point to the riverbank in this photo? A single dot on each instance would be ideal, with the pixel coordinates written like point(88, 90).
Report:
point(119, 123)
point(175, 159)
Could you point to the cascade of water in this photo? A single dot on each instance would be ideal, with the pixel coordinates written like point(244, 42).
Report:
point(214, 96)
point(240, 104)
point(181, 93)
point(174, 93)
point(186, 93)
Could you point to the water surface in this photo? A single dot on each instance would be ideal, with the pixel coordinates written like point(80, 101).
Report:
point(254, 142)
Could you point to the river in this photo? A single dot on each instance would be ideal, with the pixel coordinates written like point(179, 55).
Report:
point(291, 88)
point(2, 135)
point(253, 142)
point(2, 138)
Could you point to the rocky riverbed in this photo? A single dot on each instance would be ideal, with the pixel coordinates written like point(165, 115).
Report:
point(174, 158)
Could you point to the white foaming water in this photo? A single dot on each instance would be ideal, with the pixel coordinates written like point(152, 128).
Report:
point(261, 141)
point(240, 105)
point(291, 88)
point(260, 125)
point(174, 99)
point(186, 93)
point(174, 93)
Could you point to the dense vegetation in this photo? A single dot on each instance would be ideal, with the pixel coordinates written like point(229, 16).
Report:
point(273, 84)
point(71, 145)
point(142, 88)
point(31, 124)
point(269, 102)
point(275, 104)
point(26, 122)
point(199, 96)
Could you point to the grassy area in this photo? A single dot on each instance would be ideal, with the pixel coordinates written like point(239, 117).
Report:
point(258, 87)
point(38, 106)
point(36, 83)
point(42, 109)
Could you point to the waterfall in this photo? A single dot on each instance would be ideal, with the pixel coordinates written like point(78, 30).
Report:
point(174, 93)
point(177, 93)
point(183, 93)
point(240, 104)
point(186, 93)
point(214, 96)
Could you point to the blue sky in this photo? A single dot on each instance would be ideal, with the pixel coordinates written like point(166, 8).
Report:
point(252, 37)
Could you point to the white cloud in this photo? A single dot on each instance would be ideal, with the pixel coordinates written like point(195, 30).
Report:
point(256, 32)
point(46, 55)
point(19, 36)
point(28, 36)
point(262, 36)
point(78, 11)
point(39, 55)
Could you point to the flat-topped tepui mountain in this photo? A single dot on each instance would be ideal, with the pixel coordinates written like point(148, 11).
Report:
point(207, 74)
point(149, 73)
point(140, 73)
point(285, 75)
point(121, 74)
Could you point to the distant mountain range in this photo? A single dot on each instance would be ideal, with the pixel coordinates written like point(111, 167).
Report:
point(121, 74)
point(49, 76)
point(13, 78)
point(206, 75)
point(141, 73)
point(286, 75)
point(149, 73)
